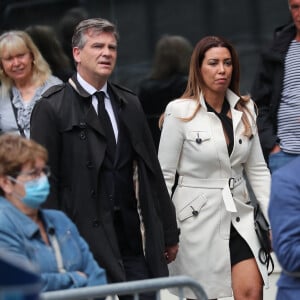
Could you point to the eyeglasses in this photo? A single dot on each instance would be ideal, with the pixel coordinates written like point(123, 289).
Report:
point(35, 173)
point(294, 7)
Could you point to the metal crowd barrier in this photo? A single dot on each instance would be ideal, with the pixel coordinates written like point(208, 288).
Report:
point(133, 288)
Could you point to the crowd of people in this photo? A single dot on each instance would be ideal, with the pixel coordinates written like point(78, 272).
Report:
point(91, 194)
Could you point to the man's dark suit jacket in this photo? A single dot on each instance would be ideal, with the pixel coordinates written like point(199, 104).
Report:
point(65, 122)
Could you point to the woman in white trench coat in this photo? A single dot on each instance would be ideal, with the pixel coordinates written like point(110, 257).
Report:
point(209, 137)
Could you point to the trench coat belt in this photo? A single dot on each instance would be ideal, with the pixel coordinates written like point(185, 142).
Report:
point(225, 184)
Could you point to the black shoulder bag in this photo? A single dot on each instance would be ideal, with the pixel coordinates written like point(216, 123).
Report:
point(262, 230)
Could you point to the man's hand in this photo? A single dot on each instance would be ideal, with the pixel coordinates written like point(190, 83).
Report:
point(275, 149)
point(82, 274)
point(171, 252)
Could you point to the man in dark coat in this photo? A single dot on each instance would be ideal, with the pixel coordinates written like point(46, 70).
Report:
point(276, 91)
point(106, 175)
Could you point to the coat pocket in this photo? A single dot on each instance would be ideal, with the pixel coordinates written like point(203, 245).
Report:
point(192, 208)
point(198, 136)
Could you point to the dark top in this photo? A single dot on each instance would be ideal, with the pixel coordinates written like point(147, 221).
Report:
point(226, 122)
point(155, 94)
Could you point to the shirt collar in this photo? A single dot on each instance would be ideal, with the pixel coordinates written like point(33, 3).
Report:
point(231, 97)
point(28, 227)
point(89, 88)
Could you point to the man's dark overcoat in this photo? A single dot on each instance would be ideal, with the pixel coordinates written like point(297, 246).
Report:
point(268, 84)
point(65, 122)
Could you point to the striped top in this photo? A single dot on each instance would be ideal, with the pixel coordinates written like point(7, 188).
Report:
point(289, 108)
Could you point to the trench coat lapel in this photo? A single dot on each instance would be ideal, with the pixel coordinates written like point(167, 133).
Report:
point(90, 116)
point(129, 119)
point(236, 119)
point(236, 114)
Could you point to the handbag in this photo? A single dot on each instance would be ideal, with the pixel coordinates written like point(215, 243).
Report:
point(261, 226)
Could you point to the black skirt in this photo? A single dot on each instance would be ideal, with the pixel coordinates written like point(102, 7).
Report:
point(239, 249)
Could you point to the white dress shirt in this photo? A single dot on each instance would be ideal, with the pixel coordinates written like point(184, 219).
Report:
point(107, 102)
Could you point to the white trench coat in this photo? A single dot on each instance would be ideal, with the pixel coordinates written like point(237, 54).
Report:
point(205, 205)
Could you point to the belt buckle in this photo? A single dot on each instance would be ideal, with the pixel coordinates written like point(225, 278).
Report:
point(231, 183)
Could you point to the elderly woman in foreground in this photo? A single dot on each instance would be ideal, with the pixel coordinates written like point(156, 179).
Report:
point(45, 238)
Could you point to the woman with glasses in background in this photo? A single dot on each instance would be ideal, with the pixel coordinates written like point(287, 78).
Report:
point(48, 239)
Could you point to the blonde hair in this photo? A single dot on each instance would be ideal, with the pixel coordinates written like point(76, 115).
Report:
point(13, 41)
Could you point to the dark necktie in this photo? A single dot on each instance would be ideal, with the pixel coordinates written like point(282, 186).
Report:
point(106, 122)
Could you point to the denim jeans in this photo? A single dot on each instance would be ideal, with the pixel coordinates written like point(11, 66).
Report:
point(279, 159)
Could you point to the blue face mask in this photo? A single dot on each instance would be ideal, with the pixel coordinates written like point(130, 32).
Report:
point(36, 192)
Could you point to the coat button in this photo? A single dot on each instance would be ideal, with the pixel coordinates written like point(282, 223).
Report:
point(195, 213)
point(82, 125)
point(237, 219)
point(89, 164)
point(198, 140)
point(96, 223)
point(82, 135)
point(93, 193)
point(240, 141)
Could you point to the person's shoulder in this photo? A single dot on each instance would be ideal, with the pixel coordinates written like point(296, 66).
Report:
point(182, 107)
point(54, 80)
point(6, 214)
point(58, 218)
point(288, 28)
point(278, 45)
point(122, 88)
point(55, 89)
point(249, 103)
point(55, 214)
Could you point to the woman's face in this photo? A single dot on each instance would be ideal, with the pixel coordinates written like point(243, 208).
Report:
point(17, 64)
point(216, 70)
point(28, 173)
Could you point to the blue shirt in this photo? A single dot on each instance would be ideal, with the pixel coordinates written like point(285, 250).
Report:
point(20, 236)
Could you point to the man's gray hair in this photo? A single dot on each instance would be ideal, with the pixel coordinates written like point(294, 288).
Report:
point(94, 25)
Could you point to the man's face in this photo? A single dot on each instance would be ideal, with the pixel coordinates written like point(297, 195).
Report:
point(97, 59)
point(295, 12)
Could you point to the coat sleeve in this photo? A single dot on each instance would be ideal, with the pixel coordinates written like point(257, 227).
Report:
point(261, 92)
point(163, 203)
point(44, 130)
point(284, 211)
point(96, 275)
point(257, 171)
point(170, 146)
